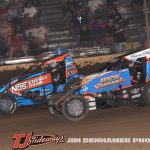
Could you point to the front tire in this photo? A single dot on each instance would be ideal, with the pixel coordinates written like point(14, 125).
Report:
point(8, 104)
point(75, 108)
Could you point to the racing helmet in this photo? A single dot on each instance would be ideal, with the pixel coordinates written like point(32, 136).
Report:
point(53, 65)
point(60, 51)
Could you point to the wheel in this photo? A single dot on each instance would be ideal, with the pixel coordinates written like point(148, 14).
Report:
point(71, 84)
point(54, 110)
point(8, 104)
point(75, 108)
point(146, 94)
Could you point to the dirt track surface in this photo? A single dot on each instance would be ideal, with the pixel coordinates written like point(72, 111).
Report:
point(112, 122)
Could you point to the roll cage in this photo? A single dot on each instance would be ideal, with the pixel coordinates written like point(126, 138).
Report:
point(137, 69)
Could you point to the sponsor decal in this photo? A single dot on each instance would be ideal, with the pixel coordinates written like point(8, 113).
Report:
point(110, 81)
point(24, 140)
point(70, 72)
point(135, 56)
point(31, 83)
point(89, 78)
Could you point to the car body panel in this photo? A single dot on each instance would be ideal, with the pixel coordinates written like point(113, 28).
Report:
point(41, 81)
point(108, 81)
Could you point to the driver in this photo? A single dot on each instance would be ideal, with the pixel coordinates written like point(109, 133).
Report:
point(135, 70)
point(55, 72)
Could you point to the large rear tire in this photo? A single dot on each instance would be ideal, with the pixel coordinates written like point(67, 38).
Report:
point(8, 104)
point(75, 108)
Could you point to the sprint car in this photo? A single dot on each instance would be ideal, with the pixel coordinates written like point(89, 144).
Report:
point(39, 83)
point(123, 81)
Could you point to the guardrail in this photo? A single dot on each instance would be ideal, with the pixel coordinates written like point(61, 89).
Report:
point(76, 53)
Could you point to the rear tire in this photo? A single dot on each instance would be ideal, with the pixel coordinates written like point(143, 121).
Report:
point(8, 104)
point(75, 108)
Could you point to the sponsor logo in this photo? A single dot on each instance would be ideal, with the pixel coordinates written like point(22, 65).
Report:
point(71, 72)
point(24, 140)
point(137, 55)
point(31, 83)
point(110, 81)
